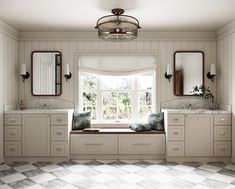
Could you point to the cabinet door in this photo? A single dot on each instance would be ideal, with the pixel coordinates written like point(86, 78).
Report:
point(36, 135)
point(199, 135)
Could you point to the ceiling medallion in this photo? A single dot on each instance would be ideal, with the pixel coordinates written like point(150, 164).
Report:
point(117, 27)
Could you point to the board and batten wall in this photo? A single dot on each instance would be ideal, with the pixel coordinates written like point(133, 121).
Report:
point(226, 72)
point(8, 72)
point(71, 43)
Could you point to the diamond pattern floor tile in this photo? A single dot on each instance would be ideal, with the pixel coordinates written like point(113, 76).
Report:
point(117, 174)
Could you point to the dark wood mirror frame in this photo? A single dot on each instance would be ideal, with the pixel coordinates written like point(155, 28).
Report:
point(58, 64)
point(175, 75)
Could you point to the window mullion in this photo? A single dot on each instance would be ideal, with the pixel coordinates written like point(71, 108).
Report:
point(134, 101)
point(99, 108)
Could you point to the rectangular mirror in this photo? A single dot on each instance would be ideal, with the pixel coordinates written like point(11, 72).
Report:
point(46, 73)
point(188, 71)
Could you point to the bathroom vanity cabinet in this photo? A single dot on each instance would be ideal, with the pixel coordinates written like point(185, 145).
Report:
point(37, 134)
point(193, 135)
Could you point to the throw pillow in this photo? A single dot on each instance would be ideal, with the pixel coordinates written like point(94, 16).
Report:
point(156, 120)
point(81, 120)
point(138, 127)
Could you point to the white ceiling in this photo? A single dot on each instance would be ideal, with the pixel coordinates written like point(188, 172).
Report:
point(81, 15)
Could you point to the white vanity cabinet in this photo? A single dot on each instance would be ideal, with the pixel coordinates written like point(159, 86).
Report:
point(199, 135)
point(195, 136)
point(37, 134)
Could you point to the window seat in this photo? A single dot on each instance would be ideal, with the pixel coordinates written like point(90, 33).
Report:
point(114, 131)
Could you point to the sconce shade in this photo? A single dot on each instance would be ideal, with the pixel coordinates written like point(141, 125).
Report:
point(169, 70)
point(213, 69)
point(66, 69)
point(22, 69)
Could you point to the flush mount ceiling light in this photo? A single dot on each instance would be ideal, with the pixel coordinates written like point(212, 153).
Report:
point(117, 27)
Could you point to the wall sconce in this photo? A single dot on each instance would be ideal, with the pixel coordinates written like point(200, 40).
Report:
point(23, 72)
point(169, 72)
point(67, 74)
point(212, 73)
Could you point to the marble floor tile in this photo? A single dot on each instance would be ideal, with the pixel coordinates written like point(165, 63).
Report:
point(4, 167)
point(230, 167)
point(193, 178)
point(132, 178)
point(162, 178)
point(51, 168)
point(211, 168)
point(43, 178)
point(183, 168)
point(222, 178)
point(24, 168)
point(12, 178)
point(103, 178)
point(72, 178)
point(213, 183)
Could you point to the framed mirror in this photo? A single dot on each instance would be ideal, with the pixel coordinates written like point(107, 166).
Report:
point(46, 73)
point(188, 71)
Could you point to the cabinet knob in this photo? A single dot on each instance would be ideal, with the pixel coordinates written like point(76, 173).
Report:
point(222, 119)
point(176, 119)
point(141, 144)
point(222, 133)
point(59, 133)
point(175, 149)
point(175, 133)
point(12, 134)
point(222, 149)
point(12, 119)
point(12, 149)
point(59, 119)
point(58, 149)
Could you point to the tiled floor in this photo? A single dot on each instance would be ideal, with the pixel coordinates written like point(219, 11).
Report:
point(116, 174)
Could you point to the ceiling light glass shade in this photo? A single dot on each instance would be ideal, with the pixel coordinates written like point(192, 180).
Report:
point(117, 27)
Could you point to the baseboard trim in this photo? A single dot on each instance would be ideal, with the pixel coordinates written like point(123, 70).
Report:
point(198, 159)
point(108, 157)
point(36, 159)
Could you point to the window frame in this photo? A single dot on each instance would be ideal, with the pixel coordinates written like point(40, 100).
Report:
point(134, 93)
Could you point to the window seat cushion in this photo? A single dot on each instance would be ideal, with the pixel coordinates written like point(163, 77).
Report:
point(114, 131)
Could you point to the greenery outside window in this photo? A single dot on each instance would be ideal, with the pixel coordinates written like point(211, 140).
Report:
point(117, 99)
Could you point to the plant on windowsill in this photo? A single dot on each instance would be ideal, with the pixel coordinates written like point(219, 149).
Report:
point(206, 94)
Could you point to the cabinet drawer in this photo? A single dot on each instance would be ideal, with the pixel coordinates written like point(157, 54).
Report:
point(222, 119)
point(12, 119)
point(222, 149)
point(59, 148)
point(93, 144)
point(59, 119)
point(175, 149)
point(222, 133)
point(13, 133)
point(59, 133)
point(12, 148)
point(176, 119)
point(175, 133)
point(142, 144)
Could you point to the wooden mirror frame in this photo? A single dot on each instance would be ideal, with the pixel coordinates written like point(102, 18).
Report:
point(203, 63)
point(57, 64)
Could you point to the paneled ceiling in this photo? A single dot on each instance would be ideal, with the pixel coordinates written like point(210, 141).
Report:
point(81, 15)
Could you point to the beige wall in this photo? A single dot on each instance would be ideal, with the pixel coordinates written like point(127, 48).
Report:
point(165, 45)
point(226, 72)
point(8, 72)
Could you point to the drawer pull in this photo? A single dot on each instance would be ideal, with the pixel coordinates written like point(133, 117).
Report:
point(12, 149)
point(175, 149)
point(222, 119)
point(222, 149)
point(222, 133)
point(13, 119)
point(176, 119)
point(93, 144)
point(58, 149)
point(141, 144)
point(59, 119)
point(12, 134)
point(59, 133)
point(175, 133)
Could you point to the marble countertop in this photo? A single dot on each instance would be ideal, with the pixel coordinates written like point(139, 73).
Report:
point(195, 111)
point(39, 111)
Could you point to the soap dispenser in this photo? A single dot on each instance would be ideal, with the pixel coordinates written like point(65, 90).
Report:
point(21, 105)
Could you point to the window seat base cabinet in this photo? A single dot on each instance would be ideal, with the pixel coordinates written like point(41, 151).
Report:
point(117, 146)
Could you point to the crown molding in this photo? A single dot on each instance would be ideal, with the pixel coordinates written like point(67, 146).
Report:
point(8, 30)
point(226, 30)
point(49, 36)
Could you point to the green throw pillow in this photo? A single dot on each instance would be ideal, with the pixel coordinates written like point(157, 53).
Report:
point(156, 121)
point(81, 120)
point(138, 127)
